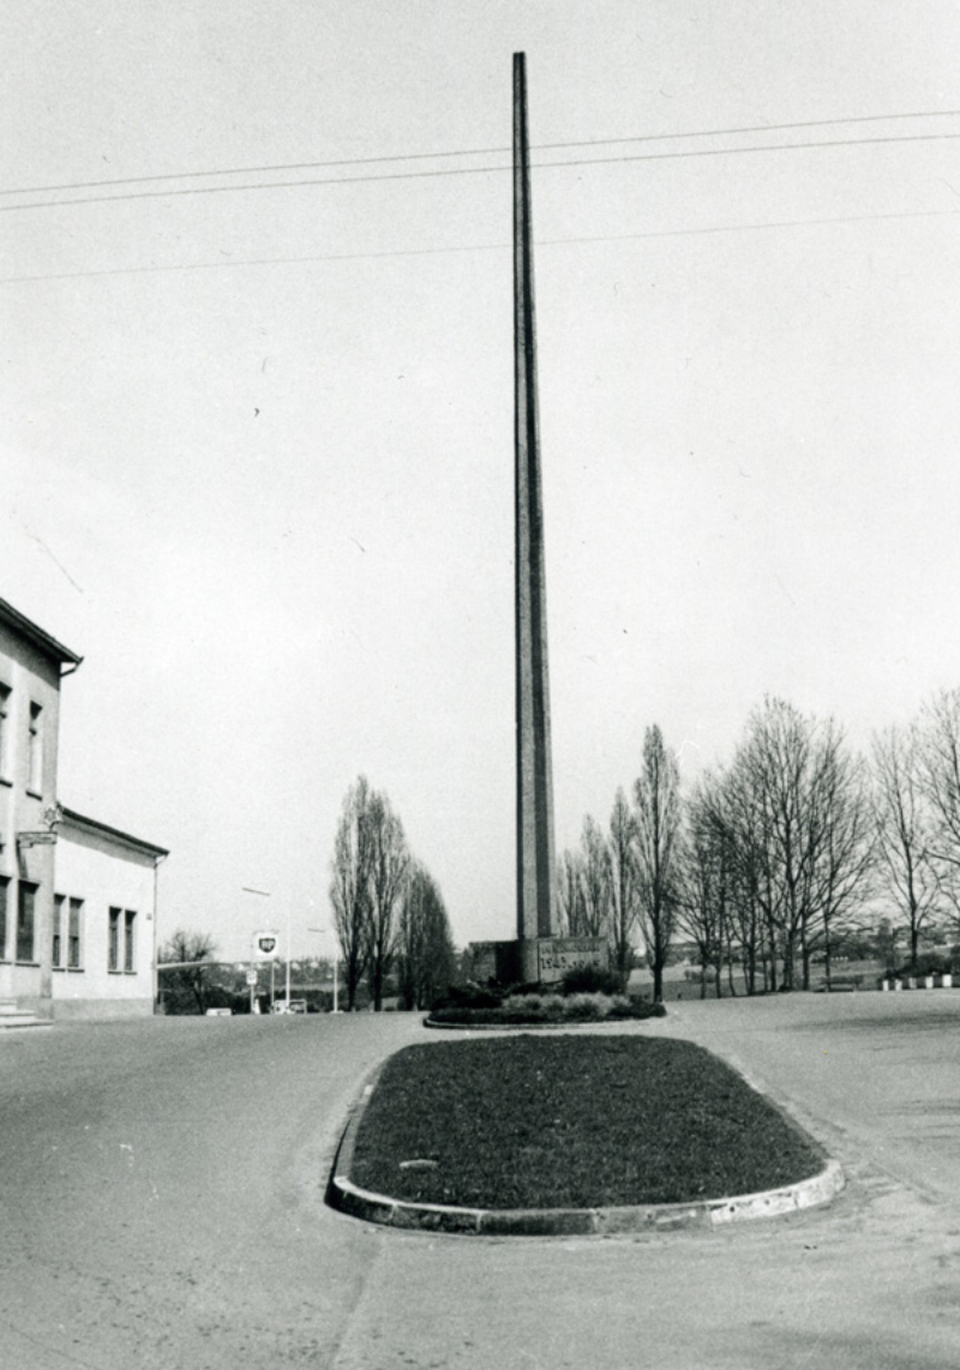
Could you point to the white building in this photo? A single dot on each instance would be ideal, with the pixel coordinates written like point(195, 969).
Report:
point(103, 945)
point(77, 899)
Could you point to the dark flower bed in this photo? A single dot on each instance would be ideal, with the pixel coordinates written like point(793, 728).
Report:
point(531, 1010)
point(571, 1121)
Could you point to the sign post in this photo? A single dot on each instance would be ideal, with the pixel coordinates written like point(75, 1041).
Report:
point(266, 947)
point(252, 977)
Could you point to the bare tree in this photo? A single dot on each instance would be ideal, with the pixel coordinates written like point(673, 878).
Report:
point(185, 962)
point(389, 866)
point(570, 892)
point(844, 835)
point(775, 763)
point(350, 885)
point(727, 804)
point(801, 825)
point(595, 875)
point(704, 889)
point(425, 954)
point(939, 768)
point(656, 796)
point(906, 829)
point(624, 884)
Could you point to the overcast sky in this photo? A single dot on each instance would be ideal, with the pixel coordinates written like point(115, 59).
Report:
point(257, 443)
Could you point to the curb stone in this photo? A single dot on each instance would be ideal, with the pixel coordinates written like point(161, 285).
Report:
point(349, 1198)
point(567, 1025)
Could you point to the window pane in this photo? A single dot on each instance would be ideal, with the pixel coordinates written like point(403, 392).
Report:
point(26, 910)
point(4, 885)
point(131, 920)
point(73, 950)
point(36, 749)
point(113, 947)
point(4, 708)
point(58, 902)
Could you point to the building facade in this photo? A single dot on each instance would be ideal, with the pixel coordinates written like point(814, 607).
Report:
point(77, 899)
point(103, 935)
point(32, 665)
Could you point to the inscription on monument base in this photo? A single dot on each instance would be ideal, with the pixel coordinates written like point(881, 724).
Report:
point(548, 959)
point(557, 955)
point(495, 963)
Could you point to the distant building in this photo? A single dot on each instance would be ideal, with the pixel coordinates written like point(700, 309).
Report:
point(77, 899)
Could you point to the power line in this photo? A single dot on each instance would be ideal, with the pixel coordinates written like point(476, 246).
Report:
point(475, 152)
point(481, 247)
point(475, 171)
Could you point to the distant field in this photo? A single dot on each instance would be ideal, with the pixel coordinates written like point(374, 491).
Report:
point(677, 986)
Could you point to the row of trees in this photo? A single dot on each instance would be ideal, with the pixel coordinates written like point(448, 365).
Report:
point(387, 909)
point(624, 882)
point(782, 855)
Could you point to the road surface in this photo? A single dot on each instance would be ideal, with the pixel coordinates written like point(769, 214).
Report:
point(160, 1206)
point(160, 1191)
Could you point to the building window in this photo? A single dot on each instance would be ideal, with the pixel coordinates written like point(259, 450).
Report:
point(4, 728)
point(35, 749)
point(129, 928)
point(57, 955)
point(26, 920)
point(113, 943)
point(4, 886)
point(73, 934)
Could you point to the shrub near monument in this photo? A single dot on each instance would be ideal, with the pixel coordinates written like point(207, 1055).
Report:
point(586, 994)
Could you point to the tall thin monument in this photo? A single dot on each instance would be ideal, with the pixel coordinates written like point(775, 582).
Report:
point(536, 898)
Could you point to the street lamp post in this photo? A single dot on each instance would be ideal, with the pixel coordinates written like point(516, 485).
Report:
point(288, 959)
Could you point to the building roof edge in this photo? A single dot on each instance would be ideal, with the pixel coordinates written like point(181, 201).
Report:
point(94, 825)
point(49, 646)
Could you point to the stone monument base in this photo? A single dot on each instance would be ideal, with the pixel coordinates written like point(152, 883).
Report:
point(535, 960)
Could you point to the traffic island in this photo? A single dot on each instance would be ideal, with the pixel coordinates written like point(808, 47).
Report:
point(570, 1136)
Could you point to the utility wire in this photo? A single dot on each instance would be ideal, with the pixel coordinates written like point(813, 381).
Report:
point(475, 171)
point(481, 247)
point(475, 152)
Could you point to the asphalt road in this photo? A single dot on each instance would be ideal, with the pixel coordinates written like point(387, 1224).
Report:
point(160, 1206)
point(160, 1191)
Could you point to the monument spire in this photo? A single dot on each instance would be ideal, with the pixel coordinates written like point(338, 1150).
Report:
point(536, 898)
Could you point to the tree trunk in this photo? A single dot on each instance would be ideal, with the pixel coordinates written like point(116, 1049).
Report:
point(805, 954)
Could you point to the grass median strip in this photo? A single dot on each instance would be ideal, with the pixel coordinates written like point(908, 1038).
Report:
point(571, 1122)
